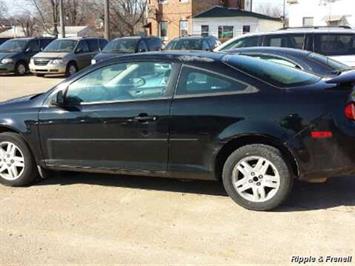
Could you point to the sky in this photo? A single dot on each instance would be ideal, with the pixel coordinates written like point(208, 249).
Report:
point(18, 6)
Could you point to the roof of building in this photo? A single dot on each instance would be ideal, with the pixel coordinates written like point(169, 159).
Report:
point(219, 11)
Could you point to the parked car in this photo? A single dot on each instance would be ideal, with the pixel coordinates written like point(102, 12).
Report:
point(66, 56)
point(335, 42)
point(254, 124)
point(305, 60)
point(207, 43)
point(2, 40)
point(15, 54)
point(126, 45)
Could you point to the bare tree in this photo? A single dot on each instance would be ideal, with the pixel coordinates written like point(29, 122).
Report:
point(127, 15)
point(270, 10)
point(47, 14)
point(3, 15)
point(27, 23)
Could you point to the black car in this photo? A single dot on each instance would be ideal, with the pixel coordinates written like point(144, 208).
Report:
point(128, 45)
point(15, 54)
point(205, 43)
point(253, 124)
point(311, 62)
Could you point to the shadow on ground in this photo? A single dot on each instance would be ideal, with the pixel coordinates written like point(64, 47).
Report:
point(336, 192)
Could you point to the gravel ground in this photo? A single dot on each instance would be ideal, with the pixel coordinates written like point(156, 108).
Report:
point(108, 219)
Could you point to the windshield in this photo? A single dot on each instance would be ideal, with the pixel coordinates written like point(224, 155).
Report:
point(185, 44)
point(121, 46)
point(276, 74)
point(13, 46)
point(333, 64)
point(61, 46)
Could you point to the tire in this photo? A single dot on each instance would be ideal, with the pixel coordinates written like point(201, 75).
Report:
point(257, 177)
point(20, 68)
point(70, 67)
point(25, 167)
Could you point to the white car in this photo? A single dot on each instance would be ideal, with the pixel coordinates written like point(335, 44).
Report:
point(336, 42)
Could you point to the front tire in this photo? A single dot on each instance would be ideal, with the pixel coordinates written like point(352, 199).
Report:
point(71, 69)
point(17, 166)
point(257, 177)
point(20, 69)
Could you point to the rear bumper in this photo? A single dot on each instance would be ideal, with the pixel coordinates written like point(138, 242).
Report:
point(47, 69)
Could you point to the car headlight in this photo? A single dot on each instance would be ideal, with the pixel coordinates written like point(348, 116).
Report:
point(7, 61)
point(57, 62)
point(93, 61)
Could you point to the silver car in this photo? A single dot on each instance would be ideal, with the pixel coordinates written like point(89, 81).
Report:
point(66, 56)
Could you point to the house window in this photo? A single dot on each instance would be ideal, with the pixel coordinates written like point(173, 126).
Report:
point(205, 30)
point(308, 22)
point(225, 32)
point(163, 29)
point(184, 27)
point(246, 29)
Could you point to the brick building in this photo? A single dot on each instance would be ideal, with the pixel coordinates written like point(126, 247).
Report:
point(172, 18)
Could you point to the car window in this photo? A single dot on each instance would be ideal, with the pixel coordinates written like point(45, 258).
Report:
point(102, 43)
point(195, 81)
point(93, 45)
point(45, 42)
point(335, 44)
point(330, 63)
point(125, 81)
point(296, 41)
point(154, 44)
point(244, 42)
point(205, 45)
point(276, 74)
point(142, 47)
point(275, 41)
point(82, 47)
point(33, 46)
point(275, 59)
point(61, 45)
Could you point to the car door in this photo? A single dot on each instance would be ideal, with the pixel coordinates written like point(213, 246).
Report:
point(115, 118)
point(83, 54)
point(32, 48)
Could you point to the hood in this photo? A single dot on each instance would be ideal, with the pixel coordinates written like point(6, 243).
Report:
point(6, 55)
point(105, 56)
point(345, 59)
point(51, 55)
point(22, 102)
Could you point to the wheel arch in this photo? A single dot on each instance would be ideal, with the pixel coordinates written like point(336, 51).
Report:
point(237, 142)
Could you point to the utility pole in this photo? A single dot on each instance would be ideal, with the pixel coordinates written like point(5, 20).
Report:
point(61, 17)
point(284, 14)
point(107, 19)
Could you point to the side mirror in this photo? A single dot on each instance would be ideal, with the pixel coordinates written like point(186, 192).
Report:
point(58, 100)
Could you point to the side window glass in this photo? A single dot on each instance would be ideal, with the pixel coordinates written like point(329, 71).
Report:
point(195, 81)
point(244, 42)
point(33, 46)
point(93, 45)
point(102, 43)
point(127, 81)
point(275, 41)
point(82, 47)
point(142, 47)
point(296, 41)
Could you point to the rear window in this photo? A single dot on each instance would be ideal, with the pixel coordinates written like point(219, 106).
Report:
point(335, 44)
point(273, 73)
point(185, 44)
point(244, 42)
point(333, 64)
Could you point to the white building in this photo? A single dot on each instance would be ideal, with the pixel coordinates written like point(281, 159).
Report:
point(321, 13)
point(225, 23)
point(76, 31)
point(14, 32)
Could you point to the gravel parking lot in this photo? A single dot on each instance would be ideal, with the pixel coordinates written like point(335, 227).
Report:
point(91, 218)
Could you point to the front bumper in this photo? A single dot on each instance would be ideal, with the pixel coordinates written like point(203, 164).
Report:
point(7, 68)
point(48, 69)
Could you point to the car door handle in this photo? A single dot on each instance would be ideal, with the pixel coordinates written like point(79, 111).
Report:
point(145, 118)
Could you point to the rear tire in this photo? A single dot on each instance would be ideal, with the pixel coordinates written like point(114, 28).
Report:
point(17, 166)
point(257, 177)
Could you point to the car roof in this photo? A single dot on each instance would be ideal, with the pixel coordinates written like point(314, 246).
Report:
point(174, 55)
point(271, 50)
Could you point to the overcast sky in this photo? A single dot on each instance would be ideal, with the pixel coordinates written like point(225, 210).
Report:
point(18, 6)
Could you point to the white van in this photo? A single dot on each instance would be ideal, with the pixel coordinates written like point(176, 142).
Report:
point(336, 42)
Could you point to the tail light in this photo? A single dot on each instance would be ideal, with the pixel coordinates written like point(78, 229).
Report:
point(350, 111)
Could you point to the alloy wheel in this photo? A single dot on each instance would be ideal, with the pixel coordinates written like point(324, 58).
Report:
point(21, 69)
point(12, 161)
point(256, 179)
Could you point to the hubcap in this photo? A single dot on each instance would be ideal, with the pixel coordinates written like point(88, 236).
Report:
point(72, 70)
point(256, 179)
point(21, 69)
point(12, 161)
